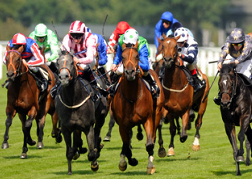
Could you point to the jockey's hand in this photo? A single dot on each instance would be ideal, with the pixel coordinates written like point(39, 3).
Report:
point(24, 62)
point(219, 66)
point(110, 50)
point(114, 67)
point(181, 55)
point(46, 60)
point(236, 62)
point(76, 60)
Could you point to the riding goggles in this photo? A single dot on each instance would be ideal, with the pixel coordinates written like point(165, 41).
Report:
point(76, 36)
point(237, 44)
point(41, 38)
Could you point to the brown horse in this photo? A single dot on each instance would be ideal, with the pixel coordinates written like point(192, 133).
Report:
point(133, 105)
point(179, 95)
point(25, 98)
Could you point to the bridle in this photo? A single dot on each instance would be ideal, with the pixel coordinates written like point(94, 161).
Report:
point(16, 71)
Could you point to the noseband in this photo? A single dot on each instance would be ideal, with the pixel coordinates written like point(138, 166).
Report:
point(16, 71)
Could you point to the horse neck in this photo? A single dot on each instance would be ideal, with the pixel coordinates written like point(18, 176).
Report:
point(174, 76)
point(131, 89)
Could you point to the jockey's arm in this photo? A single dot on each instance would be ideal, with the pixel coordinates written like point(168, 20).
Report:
point(246, 53)
point(102, 49)
point(39, 59)
point(144, 60)
point(54, 50)
point(91, 51)
point(191, 55)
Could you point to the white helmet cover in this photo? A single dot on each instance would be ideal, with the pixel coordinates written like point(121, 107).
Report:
point(130, 36)
point(183, 33)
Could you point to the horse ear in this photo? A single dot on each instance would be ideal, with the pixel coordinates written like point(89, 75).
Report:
point(176, 38)
point(136, 46)
point(7, 47)
point(21, 49)
point(123, 46)
point(164, 36)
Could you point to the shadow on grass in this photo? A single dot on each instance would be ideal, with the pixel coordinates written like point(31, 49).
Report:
point(75, 172)
point(18, 156)
point(223, 173)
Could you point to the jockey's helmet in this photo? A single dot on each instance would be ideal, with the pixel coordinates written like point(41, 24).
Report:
point(122, 26)
point(77, 27)
point(19, 39)
point(130, 36)
point(183, 33)
point(236, 36)
point(40, 30)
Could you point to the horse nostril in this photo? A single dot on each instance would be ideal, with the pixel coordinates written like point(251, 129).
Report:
point(10, 74)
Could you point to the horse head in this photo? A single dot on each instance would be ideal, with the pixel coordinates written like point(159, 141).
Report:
point(168, 50)
point(67, 68)
point(14, 63)
point(130, 59)
point(227, 84)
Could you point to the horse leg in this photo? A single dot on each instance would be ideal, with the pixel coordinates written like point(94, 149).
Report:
point(198, 123)
point(92, 153)
point(111, 125)
point(150, 133)
point(69, 151)
point(173, 133)
point(77, 143)
point(56, 132)
point(126, 151)
point(178, 127)
point(185, 120)
point(248, 144)
point(139, 132)
point(161, 150)
point(40, 131)
point(8, 123)
point(230, 131)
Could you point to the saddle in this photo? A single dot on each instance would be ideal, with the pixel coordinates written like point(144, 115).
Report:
point(40, 76)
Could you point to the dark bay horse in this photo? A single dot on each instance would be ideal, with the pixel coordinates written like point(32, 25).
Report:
point(236, 108)
point(179, 95)
point(133, 105)
point(77, 111)
point(24, 98)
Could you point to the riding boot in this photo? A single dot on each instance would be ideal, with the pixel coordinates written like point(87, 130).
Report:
point(154, 88)
point(54, 89)
point(42, 81)
point(217, 99)
point(198, 84)
point(114, 78)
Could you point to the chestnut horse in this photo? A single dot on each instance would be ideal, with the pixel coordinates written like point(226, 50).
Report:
point(179, 95)
point(133, 105)
point(25, 98)
point(236, 109)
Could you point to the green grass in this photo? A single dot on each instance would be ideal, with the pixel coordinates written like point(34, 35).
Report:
point(213, 160)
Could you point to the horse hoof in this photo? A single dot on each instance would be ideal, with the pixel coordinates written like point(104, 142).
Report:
point(5, 145)
point(183, 139)
point(40, 145)
point(69, 173)
point(170, 152)
point(161, 152)
point(76, 156)
point(240, 159)
point(106, 139)
point(101, 146)
point(123, 165)
point(23, 156)
point(31, 142)
point(151, 170)
point(133, 162)
point(83, 150)
point(196, 147)
point(58, 139)
point(94, 166)
point(139, 136)
point(247, 162)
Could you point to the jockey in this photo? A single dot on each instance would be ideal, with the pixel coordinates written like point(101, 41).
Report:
point(83, 44)
point(131, 38)
point(175, 26)
point(164, 25)
point(188, 51)
point(47, 38)
point(238, 48)
point(121, 28)
point(31, 55)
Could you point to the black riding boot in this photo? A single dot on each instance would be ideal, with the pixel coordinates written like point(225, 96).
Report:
point(54, 89)
point(42, 82)
point(114, 78)
point(217, 99)
point(198, 84)
point(154, 88)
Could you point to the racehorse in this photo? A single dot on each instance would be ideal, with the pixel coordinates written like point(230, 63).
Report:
point(133, 105)
point(78, 112)
point(236, 108)
point(179, 95)
point(25, 98)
